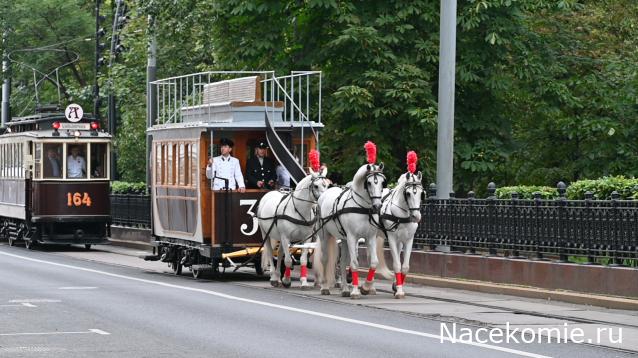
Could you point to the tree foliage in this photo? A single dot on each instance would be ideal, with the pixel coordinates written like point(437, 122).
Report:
point(545, 90)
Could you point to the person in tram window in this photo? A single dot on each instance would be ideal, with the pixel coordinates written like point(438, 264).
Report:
point(225, 166)
point(75, 164)
point(260, 169)
point(52, 168)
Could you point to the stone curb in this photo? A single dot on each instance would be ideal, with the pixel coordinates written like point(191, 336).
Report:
point(522, 291)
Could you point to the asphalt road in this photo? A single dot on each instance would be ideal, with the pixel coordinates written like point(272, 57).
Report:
point(57, 306)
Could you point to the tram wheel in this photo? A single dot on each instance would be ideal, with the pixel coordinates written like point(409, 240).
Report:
point(87, 247)
point(177, 268)
point(258, 269)
point(29, 244)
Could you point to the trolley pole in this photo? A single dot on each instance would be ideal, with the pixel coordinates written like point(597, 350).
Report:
point(6, 83)
point(151, 94)
point(445, 137)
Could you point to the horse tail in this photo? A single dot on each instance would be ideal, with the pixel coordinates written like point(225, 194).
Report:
point(382, 267)
point(327, 273)
point(266, 255)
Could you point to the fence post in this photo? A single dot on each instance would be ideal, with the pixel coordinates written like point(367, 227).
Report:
point(472, 220)
point(537, 236)
point(591, 260)
point(562, 250)
point(491, 202)
point(513, 228)
point(611, 222)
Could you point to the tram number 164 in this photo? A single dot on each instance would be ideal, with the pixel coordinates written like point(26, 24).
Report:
point(78, 199)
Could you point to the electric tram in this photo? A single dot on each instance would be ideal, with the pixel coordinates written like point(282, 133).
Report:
point(54, 179)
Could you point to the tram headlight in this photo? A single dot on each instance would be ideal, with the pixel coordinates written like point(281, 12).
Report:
point(76, 133)
point(95, 125)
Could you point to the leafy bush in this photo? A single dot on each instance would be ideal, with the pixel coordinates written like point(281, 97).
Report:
point(603, 187)
point(526, 192)
point(122, 187)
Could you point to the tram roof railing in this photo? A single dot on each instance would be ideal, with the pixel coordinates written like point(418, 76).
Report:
point(294, 98)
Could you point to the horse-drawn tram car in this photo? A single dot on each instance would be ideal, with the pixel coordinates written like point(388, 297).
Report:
point(54, 180)
point(203, 200)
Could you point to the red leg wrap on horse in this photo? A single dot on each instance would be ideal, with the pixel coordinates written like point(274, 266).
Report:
point(371, 274)
point(399, 277)
point(304, 271)
point(355, 278)
point(403, 278)
point(287, 272)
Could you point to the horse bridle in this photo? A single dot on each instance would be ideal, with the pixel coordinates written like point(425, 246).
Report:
point(376, 174)
point(415, 186)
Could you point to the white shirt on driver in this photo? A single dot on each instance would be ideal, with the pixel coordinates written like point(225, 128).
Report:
point(75, 167)
point(228, 168)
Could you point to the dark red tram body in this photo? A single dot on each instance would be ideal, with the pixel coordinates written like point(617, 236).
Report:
point(54, 181)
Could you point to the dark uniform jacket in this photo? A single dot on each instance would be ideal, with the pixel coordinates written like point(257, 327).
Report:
point(256, 172)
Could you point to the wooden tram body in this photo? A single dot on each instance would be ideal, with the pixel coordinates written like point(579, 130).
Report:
point(38, 206)
point(193, 225)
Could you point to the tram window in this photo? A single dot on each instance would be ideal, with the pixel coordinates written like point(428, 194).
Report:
point(99, 160)
point(37, 160)
point(52, 161)
point(183, 164)
point(158, 164)
point(75, 161)
point(193, 157)
point(169, 164)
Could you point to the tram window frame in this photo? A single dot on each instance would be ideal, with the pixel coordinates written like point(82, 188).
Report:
point(39, 149)
point(194, 165)
point(37, 160)
point(104, 160)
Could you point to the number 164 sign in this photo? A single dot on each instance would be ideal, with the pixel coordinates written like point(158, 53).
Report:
point(78, 199)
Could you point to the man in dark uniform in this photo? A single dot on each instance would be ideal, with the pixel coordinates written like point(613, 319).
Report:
point(260, 169)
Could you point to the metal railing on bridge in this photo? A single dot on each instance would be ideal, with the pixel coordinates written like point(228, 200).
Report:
point(131, 210)
point(584, 231)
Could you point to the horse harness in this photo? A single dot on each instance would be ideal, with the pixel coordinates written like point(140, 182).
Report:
point(397, 220)
point(359, 208)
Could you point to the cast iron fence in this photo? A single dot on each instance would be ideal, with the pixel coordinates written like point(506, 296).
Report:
point(587, 231)
point(132, 210)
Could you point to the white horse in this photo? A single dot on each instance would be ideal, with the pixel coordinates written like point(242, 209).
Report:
point(289, 218)
point(400, 216)
point(350, 214)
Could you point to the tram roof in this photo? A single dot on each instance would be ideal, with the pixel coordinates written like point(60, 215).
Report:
point(241, 125)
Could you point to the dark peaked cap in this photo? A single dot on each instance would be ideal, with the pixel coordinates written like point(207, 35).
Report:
point(226, 141)
point(262, 144)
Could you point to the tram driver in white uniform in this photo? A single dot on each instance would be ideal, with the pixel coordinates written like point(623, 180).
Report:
point(75, 164)
point(225, 166)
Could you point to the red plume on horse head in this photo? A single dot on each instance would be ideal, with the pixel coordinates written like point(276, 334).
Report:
point(313, 159)
point(371, 152)
point(412, 159)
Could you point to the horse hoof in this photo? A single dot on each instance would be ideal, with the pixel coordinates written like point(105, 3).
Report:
point(399, 295)
point(286, 284)
point(325, 292)
point(355, 296)
point(371, 291)
point(345, 294)
point(306, 287)
point(274, 283)
point(394, 287)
